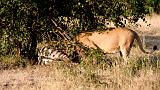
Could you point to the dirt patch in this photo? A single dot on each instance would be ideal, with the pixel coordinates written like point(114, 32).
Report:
point(33, 78)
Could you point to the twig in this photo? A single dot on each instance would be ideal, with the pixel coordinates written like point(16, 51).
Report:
point(64, 35)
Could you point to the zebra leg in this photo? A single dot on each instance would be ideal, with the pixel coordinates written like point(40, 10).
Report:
point(46, 61)
point(39, 60)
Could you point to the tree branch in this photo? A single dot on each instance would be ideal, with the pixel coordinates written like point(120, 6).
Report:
point(63, 34)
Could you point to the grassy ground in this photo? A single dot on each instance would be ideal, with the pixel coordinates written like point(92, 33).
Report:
point(95, 72)
point(140, 73)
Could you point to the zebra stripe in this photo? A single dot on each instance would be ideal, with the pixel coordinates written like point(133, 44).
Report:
point(47, 54)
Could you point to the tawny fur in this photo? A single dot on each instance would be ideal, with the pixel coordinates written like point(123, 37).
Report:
point(112, 41)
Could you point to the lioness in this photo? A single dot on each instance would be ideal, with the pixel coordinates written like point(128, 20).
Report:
point(112, 41)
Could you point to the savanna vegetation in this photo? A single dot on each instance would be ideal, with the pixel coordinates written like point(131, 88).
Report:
point(26, 25)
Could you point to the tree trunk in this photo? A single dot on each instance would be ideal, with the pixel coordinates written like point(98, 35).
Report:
point(32, 56)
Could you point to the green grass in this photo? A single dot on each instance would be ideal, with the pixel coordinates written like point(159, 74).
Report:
point(11, 62)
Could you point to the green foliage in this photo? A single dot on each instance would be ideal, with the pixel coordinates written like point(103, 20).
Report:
point(26, 23)
point(154, 5)
point(12, 62)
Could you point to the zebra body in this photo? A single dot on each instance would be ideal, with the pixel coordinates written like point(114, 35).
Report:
point(47, 54)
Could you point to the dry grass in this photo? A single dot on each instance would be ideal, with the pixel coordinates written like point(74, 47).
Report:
point(95, 72)
point(138, 74)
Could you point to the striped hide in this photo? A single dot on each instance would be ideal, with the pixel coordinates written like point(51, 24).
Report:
point(47, 54)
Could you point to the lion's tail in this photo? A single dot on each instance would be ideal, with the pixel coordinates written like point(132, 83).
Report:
point(141, 46)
